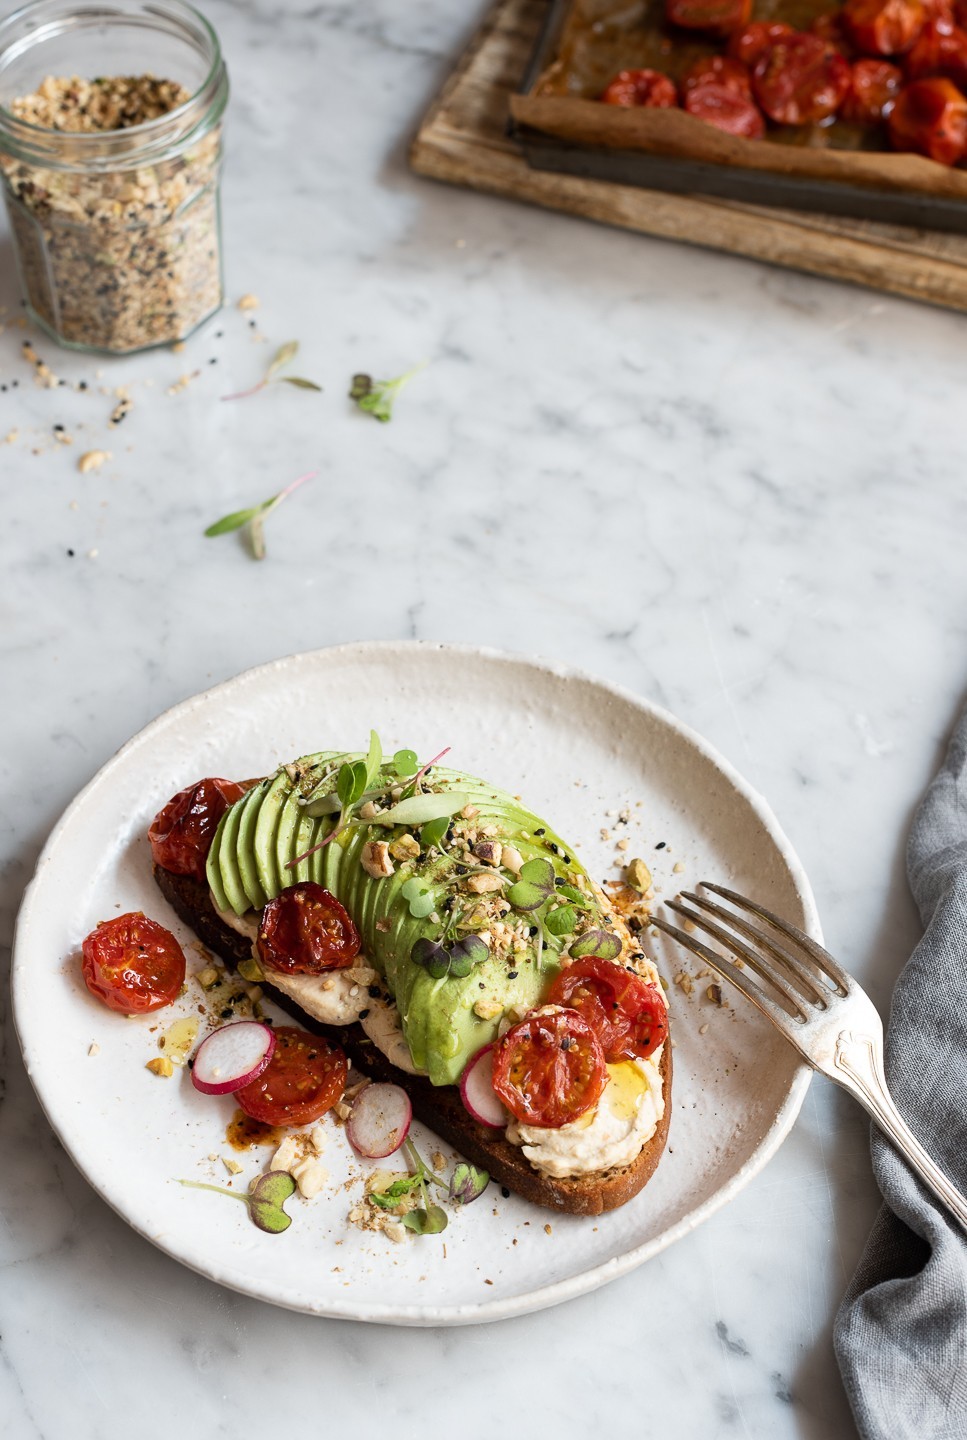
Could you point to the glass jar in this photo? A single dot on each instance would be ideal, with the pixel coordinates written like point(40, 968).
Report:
point(116, 231)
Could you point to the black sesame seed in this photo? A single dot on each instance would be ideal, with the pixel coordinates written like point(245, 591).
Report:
point(505, 1192)
point(363, 1014)
point(374, 992)
point(660, 845)
point(567, 859)
point(532, 930)
point(82, 385)
point(225, 1014)
point(512, 974)
point(71, 554)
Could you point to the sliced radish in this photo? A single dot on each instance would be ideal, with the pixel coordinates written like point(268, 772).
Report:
point(232, 1056)
point(477, 1090)
point(379, 1120)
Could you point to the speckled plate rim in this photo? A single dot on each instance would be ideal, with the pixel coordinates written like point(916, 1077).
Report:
point(543, 1296)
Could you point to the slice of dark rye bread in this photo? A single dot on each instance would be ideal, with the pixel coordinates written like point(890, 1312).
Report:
point(439, 1107)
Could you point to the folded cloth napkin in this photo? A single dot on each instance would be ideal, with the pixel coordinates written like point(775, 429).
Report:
point(901, 1332)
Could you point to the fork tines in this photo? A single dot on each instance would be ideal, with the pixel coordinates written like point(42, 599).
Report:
point(781, 966)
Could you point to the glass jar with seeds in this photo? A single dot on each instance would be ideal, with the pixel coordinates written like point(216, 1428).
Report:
point(110, 155)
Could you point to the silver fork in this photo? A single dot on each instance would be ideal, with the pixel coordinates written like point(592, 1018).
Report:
point(827, 1017)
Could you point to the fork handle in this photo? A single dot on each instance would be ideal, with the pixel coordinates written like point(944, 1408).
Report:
point(859, 1069)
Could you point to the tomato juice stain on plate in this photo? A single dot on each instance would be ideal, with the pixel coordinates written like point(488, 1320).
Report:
point(244, 1133)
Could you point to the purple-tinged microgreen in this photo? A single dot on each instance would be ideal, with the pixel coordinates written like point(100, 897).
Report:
point(419, 897)
point(377, 397)
point(597, 942)
point(282, 357)
point(265, 1199)
point(256, 516)
point(458, 959)
point(467, 1183)
point(405, 763)
point(534, 886)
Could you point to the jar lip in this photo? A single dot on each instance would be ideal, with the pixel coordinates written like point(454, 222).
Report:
point(148, 130)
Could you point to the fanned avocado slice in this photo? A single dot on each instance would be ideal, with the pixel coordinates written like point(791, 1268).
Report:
point(226, 860)
point(438, 1015)
point(213, 867)
point(264, 838)
point(250, 810)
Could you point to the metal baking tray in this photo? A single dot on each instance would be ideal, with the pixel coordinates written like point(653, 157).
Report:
point(727, 182)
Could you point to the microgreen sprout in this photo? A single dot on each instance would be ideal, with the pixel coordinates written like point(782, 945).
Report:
point(353, 780)
point(465, 1185)
point(418, 896)
point(377, 397)
point(534, 887)
point(256, 516)
point(283, 356)
point(597, 942)
point(434, 832)
point(405, 763)
point(265, 1199)
point(439, 960)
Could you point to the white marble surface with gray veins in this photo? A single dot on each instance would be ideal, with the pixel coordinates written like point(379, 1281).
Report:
point(736, 490)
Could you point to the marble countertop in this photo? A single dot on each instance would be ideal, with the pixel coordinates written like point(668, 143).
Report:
point(736, 490)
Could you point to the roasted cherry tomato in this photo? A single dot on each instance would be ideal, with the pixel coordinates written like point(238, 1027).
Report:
point(305, 931)
point(873, 88)
point(940, 12)
point(883, 27)
point(549, 1069)
point(930, 118)
point(634, 89)
point(720, 16)
point(718, 70)
point(727, 110)
point(940, 49)
point(800, 80)
point(304, 1079)
point(751, 43)
point(133, 964)
point(625, 1012)
point(181, 834)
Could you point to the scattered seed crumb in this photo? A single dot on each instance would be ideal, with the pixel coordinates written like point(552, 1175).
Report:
point(622, 845)
point(232, 1166)
point(182, 383)
point(91, 460)
point(10, 437)
point(161, 1065)
point(178, 346)
point(94, 1048)
point(122, 408)
point(548, 1230)
point(605, 833)
point(92, 554)
point(714, 993)
point(684, 982)
point(678, 867)
point(249, 302)
point(460, 244)
point(703, 1029)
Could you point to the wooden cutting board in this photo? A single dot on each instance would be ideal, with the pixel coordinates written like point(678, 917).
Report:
point(464, 140)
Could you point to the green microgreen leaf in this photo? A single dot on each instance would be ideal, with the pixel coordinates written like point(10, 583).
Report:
point(235, 521)
point(377, 397)
point(419, 809)
point(579, 898)
point(255, 516)
point(434, 832)
point(426, 1222)
point(597, 942)
point(562, 920)
point(282, 356)
point(419, 897)
point(265, 1199)
point(401, 1189)
point(351, 783)
point(467, 1183)
point(299, 382)
point(374, 759)
point(406, 763)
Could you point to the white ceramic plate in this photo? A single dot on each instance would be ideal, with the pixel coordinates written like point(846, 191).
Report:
point(578, 751)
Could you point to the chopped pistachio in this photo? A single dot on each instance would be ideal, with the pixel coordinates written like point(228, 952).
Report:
point(160, 1065)
point(638, 876)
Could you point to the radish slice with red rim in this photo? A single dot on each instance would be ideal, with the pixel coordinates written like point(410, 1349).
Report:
point(232, 1056)
point(477, 1090)
point(379, 1120)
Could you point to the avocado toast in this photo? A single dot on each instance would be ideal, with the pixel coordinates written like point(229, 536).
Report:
point(468, 906)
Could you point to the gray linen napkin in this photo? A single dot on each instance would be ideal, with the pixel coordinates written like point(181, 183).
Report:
point(901, 1332)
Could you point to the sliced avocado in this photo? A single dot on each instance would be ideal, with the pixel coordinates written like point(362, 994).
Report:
point(293, 837)
point(213, 869)
point(228, 860)
point(250, 810)
point(264, 837)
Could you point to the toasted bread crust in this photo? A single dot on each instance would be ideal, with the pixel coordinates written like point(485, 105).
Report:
point(439, 1107)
